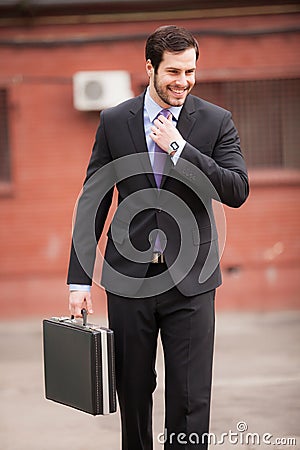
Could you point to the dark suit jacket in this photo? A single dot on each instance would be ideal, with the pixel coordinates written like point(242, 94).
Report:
point(211, 166)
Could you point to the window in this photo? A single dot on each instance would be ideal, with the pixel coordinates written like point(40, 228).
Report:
point(5, 172)
point(266, 113)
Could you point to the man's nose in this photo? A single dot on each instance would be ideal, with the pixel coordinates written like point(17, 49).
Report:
point(181, 79)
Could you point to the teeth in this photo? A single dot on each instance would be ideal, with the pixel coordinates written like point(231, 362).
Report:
point(178, 91)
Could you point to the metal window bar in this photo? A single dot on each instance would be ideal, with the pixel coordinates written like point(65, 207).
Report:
point(266, 113)
point(5, 172)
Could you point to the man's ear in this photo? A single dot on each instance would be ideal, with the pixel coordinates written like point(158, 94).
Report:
point(149, 67)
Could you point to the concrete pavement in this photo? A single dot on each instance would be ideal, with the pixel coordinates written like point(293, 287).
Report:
point(256, 386)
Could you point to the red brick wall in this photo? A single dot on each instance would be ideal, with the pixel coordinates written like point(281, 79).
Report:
point(261, 262)
point(50, 148)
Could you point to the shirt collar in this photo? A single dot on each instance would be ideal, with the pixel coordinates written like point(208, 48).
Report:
point(153, 108)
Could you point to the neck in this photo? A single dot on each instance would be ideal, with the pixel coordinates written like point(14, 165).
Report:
point(156, 98)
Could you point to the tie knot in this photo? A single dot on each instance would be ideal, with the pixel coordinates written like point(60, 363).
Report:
point(165, 113)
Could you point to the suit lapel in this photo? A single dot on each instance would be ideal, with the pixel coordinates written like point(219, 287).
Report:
point(186, 119)
point(137, 132)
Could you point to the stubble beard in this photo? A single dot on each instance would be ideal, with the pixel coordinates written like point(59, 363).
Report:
point(164, 95)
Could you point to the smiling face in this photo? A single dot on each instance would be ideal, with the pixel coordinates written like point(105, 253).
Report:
point(174, 79)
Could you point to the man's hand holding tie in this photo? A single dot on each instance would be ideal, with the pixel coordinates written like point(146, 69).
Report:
point(164, 132)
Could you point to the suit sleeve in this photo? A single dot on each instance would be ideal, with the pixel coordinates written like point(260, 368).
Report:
point(92, 210)
point(224, 168)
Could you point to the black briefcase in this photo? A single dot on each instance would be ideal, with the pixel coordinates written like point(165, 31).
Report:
point(79, 365)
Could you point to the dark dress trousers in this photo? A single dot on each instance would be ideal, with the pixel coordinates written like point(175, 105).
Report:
point(175, 298)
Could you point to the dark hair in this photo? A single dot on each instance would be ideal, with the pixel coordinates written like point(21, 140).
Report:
point(169, 38)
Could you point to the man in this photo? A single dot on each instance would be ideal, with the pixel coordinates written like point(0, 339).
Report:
point(169, 154)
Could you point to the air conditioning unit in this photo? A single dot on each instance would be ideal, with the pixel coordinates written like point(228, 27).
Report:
point(98, 90)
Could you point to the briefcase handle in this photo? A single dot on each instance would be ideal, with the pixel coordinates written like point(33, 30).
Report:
point(84, 316)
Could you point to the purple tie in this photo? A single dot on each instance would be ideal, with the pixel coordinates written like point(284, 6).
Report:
point(160, 155)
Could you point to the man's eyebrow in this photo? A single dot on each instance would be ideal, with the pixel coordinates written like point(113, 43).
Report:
point(178, 68)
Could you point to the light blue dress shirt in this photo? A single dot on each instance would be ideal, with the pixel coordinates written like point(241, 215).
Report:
point(151, 110)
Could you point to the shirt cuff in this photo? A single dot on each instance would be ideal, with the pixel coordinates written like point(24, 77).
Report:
point(177, 154)
point(80, 287)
